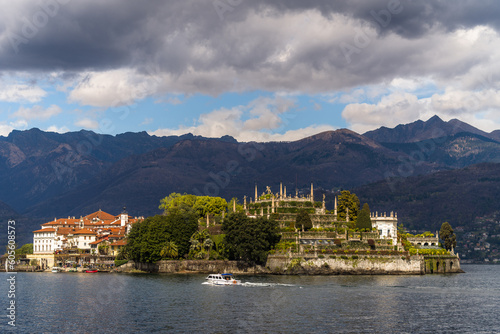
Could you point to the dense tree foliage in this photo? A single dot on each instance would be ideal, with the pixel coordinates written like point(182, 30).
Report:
point(364, 221)
point(25, 249)
point(346, 200)
point(303, 220)
point(201, 205)
point(446, 234)
point(170, 250)
point(148, 238)
point(249, 239)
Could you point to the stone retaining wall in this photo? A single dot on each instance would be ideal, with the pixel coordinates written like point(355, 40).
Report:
point(310, 265)
point(374, 265)
point(193, 266)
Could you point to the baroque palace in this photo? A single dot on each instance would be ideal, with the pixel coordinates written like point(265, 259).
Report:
point(98, 236)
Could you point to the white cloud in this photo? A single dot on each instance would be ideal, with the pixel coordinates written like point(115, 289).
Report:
point(5, 129)
point(19, 124)
point(478, 108)
point(112, 88)
point(253, 122)
point(87, 123)
point(392, 110)
point(21, 93)
point(55, 128)
point(37, 112)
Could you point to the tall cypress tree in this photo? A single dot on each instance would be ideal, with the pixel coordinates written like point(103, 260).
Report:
point(364, 221)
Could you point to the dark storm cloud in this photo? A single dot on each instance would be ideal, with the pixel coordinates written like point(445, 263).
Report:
point(213, 46)
point(111, 34)
point(415, 19)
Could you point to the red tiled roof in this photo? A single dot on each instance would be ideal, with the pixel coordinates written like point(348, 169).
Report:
point(84, 231)
point(65, 230)
point(100, 215)
point(45, 230)
point(119, 243)
point(96, 242)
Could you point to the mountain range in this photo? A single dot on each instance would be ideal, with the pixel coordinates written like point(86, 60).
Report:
point(408, 169)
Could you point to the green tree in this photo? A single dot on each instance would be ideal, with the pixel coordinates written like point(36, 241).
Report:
point(170, 250)
point(364, 221)
point(177, 201)
point(249, 239)
point(201, 205)
point(303, 220)
point(446, 234)
point(346, 200)
point(201, 245)
point(147, 238)
point(25, 249)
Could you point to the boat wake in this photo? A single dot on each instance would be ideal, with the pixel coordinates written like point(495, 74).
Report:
point(250, 284)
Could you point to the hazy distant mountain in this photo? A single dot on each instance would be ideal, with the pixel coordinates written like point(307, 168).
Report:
point(417, 131)
point(426, 201)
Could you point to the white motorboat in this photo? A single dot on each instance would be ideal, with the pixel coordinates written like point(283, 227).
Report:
point(222, 279)
point(56, 269)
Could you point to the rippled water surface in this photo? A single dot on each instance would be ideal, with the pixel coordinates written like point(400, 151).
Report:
point(122, 303)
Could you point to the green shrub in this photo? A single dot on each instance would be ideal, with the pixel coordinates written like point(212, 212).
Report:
point(321, 256)
point(332, 257)
point(354, 257)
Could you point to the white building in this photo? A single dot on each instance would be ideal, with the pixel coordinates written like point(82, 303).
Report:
point(43, 241)
point(387, 226)
point(81, 239)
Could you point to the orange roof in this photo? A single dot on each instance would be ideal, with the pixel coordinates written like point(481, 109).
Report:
point(100, 215)
point(45, 230)
point(119, 243)
point(84, 231)
point(63, 221)
point(65, 230)
point(97, 242)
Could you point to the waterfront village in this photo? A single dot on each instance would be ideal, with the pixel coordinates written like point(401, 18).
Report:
point(332, 241)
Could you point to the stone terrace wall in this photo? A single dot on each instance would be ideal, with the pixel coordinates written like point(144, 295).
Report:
point(442, 264)
point(194, 266)
point(371, 265)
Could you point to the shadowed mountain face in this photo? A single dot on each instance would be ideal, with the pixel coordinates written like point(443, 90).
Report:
point(46, 175)
point(332, 159)
point(426, 201)
point(36, 166)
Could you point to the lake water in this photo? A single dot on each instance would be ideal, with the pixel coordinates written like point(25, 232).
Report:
point(126, 303)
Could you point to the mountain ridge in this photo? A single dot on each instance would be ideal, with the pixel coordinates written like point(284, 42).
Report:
point(44, 175)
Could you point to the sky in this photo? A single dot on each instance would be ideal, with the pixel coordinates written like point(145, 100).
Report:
point(252, 69)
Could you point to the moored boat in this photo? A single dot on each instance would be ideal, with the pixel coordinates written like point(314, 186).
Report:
point(91, 271)
point(222, 279)
point(56, 269)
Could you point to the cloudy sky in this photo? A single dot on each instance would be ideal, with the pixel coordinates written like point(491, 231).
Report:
point(252, 69)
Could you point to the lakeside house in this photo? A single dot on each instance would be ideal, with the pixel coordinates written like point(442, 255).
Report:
point(94, 238)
